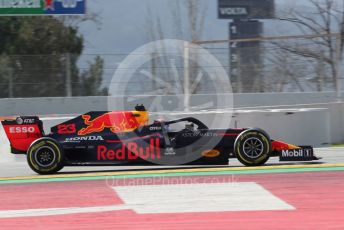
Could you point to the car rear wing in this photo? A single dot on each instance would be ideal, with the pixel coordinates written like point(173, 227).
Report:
point(22, 131)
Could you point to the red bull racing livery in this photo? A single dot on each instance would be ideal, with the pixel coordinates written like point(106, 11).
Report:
point(127, 138)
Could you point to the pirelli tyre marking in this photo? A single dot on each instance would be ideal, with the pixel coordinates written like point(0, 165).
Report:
point(253, 147)
point(45, 156)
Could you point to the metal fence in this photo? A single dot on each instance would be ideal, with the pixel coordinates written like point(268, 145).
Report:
point(289, 64)
point(306, 63)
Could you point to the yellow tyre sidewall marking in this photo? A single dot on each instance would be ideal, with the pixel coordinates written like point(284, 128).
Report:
point(263, 139)
point(56, 151)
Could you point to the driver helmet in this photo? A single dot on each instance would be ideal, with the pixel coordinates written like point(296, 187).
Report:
point(190, 127)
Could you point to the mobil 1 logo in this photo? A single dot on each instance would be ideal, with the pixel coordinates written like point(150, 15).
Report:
point(301, 154)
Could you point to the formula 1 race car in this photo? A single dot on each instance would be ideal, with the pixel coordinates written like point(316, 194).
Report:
point(126, 138)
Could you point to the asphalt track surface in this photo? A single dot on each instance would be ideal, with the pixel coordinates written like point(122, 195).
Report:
point(276, 196)
point(19, 167)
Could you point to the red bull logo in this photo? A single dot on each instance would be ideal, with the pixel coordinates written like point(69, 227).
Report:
point(115, 121)
point(49, 4)
point(130, 151)
point(279, 146)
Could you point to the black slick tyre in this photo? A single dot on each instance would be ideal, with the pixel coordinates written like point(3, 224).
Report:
point(253, 147)
point(45, 156)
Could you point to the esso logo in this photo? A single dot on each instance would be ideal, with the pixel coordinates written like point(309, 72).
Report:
point(22, 129)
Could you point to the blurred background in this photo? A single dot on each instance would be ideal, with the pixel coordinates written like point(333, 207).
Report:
point(265, 46)
point(284, 60)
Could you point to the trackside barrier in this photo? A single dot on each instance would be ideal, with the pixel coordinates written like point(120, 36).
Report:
point(78, 105)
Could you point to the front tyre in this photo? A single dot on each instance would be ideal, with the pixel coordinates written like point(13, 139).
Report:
point(253, 147)
point(45, 156)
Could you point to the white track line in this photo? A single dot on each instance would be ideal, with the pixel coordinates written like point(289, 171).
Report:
point(59, 211)
point(176, 198)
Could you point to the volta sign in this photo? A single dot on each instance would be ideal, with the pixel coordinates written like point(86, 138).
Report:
point(246, 9)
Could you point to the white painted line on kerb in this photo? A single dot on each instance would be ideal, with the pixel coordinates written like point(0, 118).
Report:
point(176, 198)
point(213, 197)
point(58, 211)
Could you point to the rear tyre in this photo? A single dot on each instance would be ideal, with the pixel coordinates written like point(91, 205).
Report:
point(45, 156)
point(253, 147)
